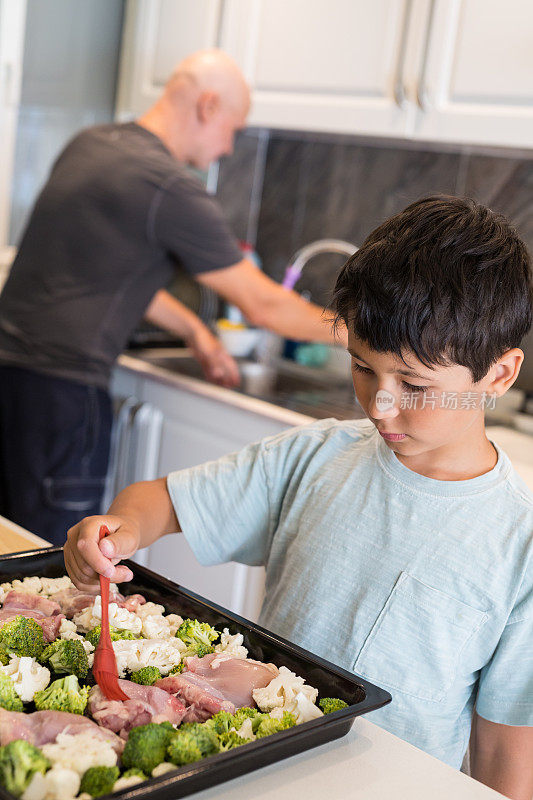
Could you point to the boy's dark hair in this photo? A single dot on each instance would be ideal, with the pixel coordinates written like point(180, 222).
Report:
point(446, 279)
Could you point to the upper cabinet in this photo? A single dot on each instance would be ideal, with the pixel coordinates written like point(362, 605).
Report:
point(476, 79)
point(327, 65)
point(439, 70)
point(157, 35)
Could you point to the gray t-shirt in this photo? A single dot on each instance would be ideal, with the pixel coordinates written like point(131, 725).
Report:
point(116, 215)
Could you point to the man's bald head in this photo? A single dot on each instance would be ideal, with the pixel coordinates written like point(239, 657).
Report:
point(211, 72)
point(205, 101)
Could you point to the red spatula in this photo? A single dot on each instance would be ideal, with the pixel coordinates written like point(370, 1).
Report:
point(105, 664)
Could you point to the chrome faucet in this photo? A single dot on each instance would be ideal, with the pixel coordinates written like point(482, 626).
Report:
point(306, 253)
point(270, 345)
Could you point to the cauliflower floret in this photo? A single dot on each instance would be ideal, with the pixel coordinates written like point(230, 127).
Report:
point(155, 626)
point(149, 609)
point(125, 783)
point(174, 621)
point(133, 654)
point(119, 617)
point(27, 675)
point(29, 585)
point(301, 707)
point(68, 630)
point(80, 751)
point(4, 589)
point(51, 586)
point(282, 690)
point(58, 784)
point(161, 769)
point(231, 645)
point(246, 730)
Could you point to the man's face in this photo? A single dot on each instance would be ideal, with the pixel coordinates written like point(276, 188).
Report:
point(415, 409)
point(216, 133)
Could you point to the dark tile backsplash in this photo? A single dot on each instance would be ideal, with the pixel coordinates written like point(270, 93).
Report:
point(282, 191)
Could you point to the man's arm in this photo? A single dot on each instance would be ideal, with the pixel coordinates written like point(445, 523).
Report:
point(267, 304)
point(501, 756)
point(168, 313)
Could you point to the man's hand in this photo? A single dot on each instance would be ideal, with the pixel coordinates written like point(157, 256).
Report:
point(217, 364)
point(87, 557)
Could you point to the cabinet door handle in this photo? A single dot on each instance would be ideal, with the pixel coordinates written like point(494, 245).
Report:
point(147, 423)
point(115, 479)
point(422, 96)
point(399, 92)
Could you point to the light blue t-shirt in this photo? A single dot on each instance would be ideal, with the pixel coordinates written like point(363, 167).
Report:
point(422, 586)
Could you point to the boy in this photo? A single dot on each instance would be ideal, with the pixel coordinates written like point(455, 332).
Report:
point(400, 548)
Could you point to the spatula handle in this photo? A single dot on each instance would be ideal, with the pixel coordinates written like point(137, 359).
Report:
point(104, 588)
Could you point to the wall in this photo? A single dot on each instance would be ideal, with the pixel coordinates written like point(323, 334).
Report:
point(71, 51)
point(282, 190)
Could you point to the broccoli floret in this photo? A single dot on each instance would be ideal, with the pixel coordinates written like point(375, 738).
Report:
point(9, 699)
point(147, 746)
point(19, 760)
point(330, 704)
point(93, 636)
point(183, 749)
point(198, 636)
point(231, 739)
point(66, 655)
point(134, 772)
point(146, 676)
point(269, 725)
point(221, 722)
point(4, 655)
point(99, 780)
point(22, 636)
point(242, 714)
point(65, 694)
point(177, 669)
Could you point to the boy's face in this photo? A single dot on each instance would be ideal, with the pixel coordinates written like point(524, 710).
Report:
point(418, 410)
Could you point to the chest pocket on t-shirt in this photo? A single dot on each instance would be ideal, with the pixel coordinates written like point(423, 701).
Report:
point(417, 641)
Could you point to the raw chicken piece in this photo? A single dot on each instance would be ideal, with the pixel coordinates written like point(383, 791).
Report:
point(73, 600)
point(145, 704)
point(21, 602)
point(42, 727)
point(50, 625)
point(235, 678)
point(132, 602)
point(203, 699)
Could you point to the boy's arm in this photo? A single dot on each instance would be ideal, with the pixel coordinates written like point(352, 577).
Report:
point(501, 756)
point(139, 515)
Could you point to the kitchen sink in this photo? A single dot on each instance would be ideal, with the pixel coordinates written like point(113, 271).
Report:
point(285, 383)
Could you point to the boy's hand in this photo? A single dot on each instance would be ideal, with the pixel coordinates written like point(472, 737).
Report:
point(86, 556)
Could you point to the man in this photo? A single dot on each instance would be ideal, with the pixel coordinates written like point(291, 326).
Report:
point(119, 209)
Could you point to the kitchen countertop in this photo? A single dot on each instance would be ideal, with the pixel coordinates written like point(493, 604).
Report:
point(367, 764)
point(318, 396)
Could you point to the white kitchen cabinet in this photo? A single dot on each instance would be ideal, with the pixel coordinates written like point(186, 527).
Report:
point(12, 21)
point(194, 429)
point(476, 78)
point(157, 35)
point(327, 65)
point(434, 70)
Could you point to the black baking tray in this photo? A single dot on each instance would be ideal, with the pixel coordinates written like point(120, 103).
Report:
point(330, 680)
